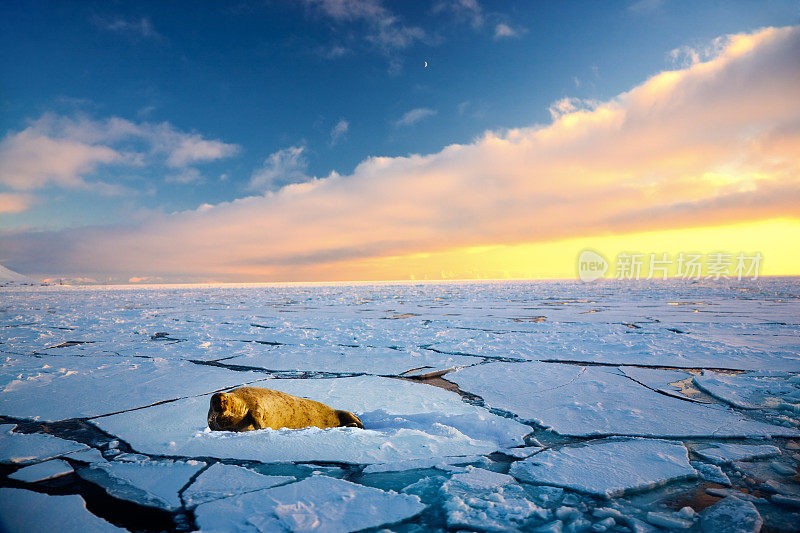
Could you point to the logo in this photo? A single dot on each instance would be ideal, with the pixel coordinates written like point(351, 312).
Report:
point(591, 266)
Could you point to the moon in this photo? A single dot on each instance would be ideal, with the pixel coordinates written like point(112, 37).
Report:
point(426, 64)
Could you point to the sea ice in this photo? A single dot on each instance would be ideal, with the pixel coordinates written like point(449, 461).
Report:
point(42, 471)
point(153, 483)
point(486, 500)
point(731, 515)
point(92, 386)
point(657, 379)
point(414, 421)
point(27, 448)
point(317, 503)
point(754, 390)
point(712, 473)
point(607, 467)
point(722, 453)
point(24, 511)
point(343, 359)
point(585, 401)
point(222, 481)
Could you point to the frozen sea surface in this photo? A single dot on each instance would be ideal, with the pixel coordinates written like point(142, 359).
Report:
point(488, 406)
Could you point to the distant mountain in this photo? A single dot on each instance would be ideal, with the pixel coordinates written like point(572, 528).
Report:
point(9, 277)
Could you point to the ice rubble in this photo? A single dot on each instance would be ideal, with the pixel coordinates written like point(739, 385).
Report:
point(24, 511)
point(731, 515)
point(317, 503)
point(36, 392)
point(587, 400)
point(754, 390)
point(42, 471)
point(27, 448)
point(424, 422)
point(222, 481)
point(607, 467)
point(154, 483)
point(486, 500)
point(722, 453)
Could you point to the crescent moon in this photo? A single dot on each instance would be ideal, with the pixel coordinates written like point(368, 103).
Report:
point(426, 64)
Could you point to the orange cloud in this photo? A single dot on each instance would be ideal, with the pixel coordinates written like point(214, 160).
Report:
point(714, 143)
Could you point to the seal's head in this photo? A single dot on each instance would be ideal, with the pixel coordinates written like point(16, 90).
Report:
point(227, 412)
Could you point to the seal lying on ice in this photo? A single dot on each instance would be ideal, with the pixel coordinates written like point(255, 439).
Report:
point(249, 408)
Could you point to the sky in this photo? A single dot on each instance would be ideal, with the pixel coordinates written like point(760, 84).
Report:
point(336, 140)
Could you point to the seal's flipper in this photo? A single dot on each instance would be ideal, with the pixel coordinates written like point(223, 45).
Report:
point(348, 420)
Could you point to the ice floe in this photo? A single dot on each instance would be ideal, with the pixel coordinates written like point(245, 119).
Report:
point(722, 453)
point(24, 511)
point(116, 384)
point(486, 500)
point(222, 481)
point(27, 448)
point(588, 400)
point(153, 483)
point(754, 390)
point(731, 515)
point(608, 467)
point(318, 503)
point(42, 471)
point(413, 421)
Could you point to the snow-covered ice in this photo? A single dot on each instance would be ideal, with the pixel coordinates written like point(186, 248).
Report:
point(486, 500)
point(41, 471)
point(731, 515)
point(754, 390)
point(222, 481)
point(589, 400)
point(24, 511)
point(704, 361)
point(27, 448)
point(155, 483)
point(608, 467)
point(318, 503)
point(727, 453)
point(411, 421)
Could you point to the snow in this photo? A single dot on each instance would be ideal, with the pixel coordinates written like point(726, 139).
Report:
point(588, 400)
point(222, 481)
point(53, 388)
point(754, 390)
point(711, 473)
point(582, 360)
point(42, 471)
point(9, 277)
point(731, 515)
point(24, 511)
point(410, 421)
point(723, 453)
point(318, 503)
point(155, 483)
point(27, 448)
point(608, 467)
point(486, 500)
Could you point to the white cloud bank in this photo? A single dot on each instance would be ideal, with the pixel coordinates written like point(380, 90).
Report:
point(713, 143)
point(64, 151)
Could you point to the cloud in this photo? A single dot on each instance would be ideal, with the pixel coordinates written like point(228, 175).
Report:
point(465, 10)
point(414, 116)
point(64, 151)
point(136, 27)
point(382, 27)
point(279, 169)
point(14, 202)
point(503, 31)
point(339, 131)
point(185, 176)
point(715, 143)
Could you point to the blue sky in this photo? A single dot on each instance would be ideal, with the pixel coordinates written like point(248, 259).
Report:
point(261, 94)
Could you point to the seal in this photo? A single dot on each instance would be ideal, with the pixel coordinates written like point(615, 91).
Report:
point(250, 408)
